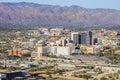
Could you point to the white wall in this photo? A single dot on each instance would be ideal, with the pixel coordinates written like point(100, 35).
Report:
point(63, 51)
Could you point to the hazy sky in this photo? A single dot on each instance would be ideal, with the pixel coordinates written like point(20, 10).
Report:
point(112, 4)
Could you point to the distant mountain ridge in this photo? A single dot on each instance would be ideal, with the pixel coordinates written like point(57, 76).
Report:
point(32, 14)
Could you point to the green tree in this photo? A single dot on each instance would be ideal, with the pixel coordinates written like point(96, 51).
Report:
point(26, 55)
point(13, 57)
point(118, 72)
point(50, 75)
point(103, 78)
point(99, 70)
point(60, 72)
point(86, 77)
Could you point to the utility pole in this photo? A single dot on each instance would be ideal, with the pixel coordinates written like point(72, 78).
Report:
point(55, 65)
point(5, 64)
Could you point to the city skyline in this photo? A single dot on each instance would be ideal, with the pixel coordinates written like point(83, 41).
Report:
point(108, 4)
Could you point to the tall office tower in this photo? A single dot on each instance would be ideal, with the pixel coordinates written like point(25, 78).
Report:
point(95, 41)
point(75, 37)
point(90, 37)
point(83, 37)
point(89, 40)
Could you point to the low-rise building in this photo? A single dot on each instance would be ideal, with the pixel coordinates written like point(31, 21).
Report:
point(18, 52)
point(13, 75)
point(109, 68)
point(88, 49)
point(54, 50)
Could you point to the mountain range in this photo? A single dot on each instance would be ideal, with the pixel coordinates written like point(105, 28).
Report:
point(31, 14)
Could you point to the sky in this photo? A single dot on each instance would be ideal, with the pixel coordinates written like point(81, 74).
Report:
point(108, 4)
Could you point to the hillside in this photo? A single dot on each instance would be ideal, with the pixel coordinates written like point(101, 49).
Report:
point(30, 14)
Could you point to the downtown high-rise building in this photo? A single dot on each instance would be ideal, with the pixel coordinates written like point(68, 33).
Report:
point(75, 37)
point(82, 38)
point(90, 38)
point(95, 41)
